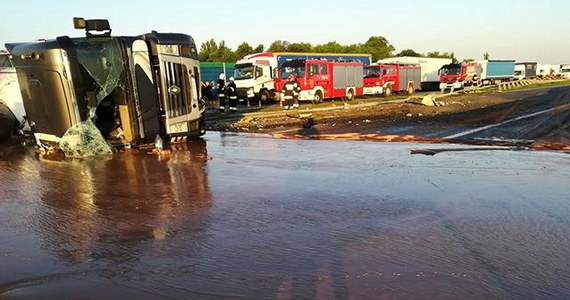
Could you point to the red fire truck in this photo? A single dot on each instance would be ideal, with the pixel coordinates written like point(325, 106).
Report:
point(323, 79)
point(456, 76)
point(383, 79)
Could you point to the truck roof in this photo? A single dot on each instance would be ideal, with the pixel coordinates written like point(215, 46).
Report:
point(270, 54)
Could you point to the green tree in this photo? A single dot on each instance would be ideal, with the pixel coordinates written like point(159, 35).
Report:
point(468, 60)
point(258, 49)
point(212, 52)
point(354, 48)
point(330, 47)
point(208, 50)
point(437, 54)
point(278, 46)
point(378, 47)
point(409, 52)
point(486, 56)
point(244, 49)
point(299, 47)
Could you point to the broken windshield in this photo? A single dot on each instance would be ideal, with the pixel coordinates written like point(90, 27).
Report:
point(101, 63)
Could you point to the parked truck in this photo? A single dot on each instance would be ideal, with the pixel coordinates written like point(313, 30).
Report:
point(323, 79)
point(132, 87)
point(565, 71)
point(547, 71)
point(497, 71)
point(384, 79)
point(457, 76)
point(525, 70)
point(255, 75)
point(429, 68)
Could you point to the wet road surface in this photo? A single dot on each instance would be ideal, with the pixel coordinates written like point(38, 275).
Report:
point(250, 217)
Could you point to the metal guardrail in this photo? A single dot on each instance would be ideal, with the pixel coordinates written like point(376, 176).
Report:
point(514, 84)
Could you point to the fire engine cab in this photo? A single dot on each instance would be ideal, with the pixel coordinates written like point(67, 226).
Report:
point(384, 79)
point(323, 79)
point(456, 76)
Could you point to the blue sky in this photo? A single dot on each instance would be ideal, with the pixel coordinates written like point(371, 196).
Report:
point(507, 29)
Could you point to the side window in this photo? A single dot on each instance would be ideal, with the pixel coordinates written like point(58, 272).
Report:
point(313, 70)
point(258, 72)
point(323, 69)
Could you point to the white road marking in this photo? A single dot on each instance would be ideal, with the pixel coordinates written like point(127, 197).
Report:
point(506, 122)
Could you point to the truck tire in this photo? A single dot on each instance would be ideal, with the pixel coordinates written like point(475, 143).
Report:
point(388, 91)
point(410, 89)
point(350, 95)
point(263, 96)
point(318, 97)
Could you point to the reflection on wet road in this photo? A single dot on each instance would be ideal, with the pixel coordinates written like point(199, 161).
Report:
point(287, 219)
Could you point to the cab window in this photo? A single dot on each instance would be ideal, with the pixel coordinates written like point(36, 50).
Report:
point(258, 72)
point(313, 70)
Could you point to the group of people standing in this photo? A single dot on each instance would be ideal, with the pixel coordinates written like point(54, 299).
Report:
point(227, 97)
point(226, 94)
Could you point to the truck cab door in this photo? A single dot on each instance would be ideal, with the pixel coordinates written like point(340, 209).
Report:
point(180, 78)
point(390, 76)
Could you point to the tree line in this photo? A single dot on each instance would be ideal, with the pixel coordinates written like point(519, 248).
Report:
point(377, 46)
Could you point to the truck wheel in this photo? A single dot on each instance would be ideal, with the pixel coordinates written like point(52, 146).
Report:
point(410, 89)
point(388, 91)
point(318, 97)
point(263, 96)
point(350, 95)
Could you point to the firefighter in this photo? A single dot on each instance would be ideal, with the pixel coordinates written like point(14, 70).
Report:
point(288, 89)
point(296, 91)
point(221, 91)
point(231, 94)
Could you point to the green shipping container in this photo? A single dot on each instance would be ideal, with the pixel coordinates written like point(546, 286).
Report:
point(210, 71)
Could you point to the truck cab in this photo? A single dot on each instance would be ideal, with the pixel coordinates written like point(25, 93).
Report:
point(456, 76)
point(519, 72)
point(254, 76)
point(565, 71)
point(380, 79)
point(132, 87)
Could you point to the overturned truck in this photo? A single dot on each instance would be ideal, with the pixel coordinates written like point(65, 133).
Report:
point(132, 88)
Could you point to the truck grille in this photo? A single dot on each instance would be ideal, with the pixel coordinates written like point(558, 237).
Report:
point(177, 104)
point(242, 93)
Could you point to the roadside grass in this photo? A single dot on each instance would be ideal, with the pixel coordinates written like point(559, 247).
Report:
point(338, 102)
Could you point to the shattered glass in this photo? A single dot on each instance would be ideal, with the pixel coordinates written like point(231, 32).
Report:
point(102, 63)
point(84, 140)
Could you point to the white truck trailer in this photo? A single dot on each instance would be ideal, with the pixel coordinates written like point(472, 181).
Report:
point(430, 68)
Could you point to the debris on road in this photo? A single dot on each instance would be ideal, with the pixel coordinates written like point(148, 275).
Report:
point(429, 100)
